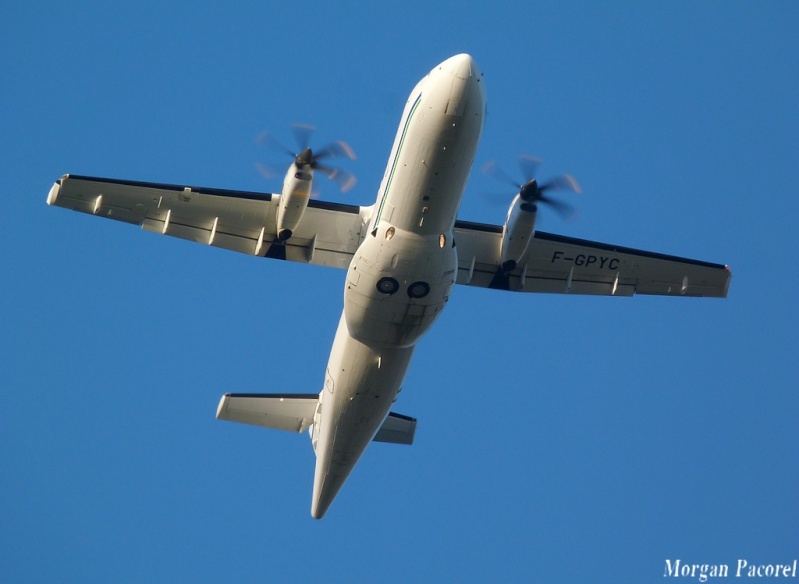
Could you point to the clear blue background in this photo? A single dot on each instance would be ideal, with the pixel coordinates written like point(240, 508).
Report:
point(560, 438)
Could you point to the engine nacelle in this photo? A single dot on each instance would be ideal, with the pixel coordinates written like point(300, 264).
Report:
point(293, 199)
point(517, 232)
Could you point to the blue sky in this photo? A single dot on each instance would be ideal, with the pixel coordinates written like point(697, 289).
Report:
point(560, 438)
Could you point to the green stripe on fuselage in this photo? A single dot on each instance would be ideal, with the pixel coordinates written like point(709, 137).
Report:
point(394, 163)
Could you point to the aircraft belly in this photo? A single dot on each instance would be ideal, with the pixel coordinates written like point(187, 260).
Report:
point(362, 384)
point(397, 286)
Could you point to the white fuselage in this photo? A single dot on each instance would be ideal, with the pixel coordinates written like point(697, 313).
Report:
point(402, 275)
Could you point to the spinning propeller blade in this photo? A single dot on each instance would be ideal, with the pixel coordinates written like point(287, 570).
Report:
point(302, 135)
point(530, 191)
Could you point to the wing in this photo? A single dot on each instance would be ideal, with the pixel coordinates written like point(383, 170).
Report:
point(328, 234)
point(563, 265)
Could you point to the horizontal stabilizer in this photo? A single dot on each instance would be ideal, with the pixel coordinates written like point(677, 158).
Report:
point(397, 429)
point(290, 412)
point(295, 412)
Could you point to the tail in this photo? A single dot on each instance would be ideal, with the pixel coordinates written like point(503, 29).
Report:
point(300, 412)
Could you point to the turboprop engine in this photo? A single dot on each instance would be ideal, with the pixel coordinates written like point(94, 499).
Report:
point(517, 232)
point(520, 222)
point(298, 181)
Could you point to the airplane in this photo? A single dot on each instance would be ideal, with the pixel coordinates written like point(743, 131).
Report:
point(403, 256)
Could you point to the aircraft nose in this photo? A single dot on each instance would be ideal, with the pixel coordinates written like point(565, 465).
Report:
point(466, 89)
point(462, 66)
point(466, 67)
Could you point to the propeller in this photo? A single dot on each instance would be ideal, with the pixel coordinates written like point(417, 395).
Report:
point(533, 193)
point(307, 156)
